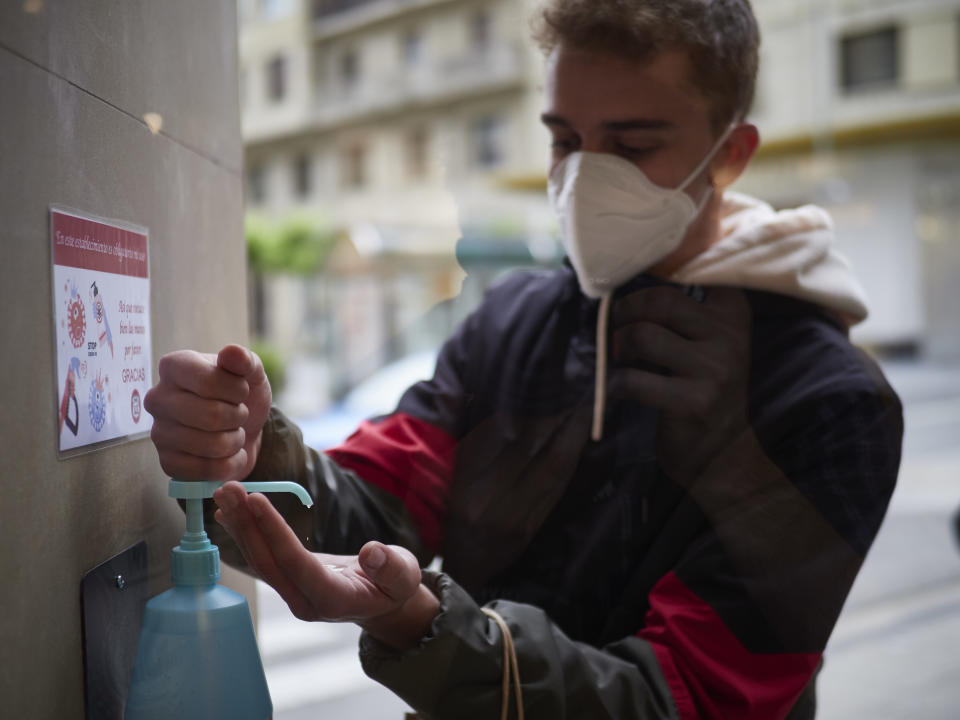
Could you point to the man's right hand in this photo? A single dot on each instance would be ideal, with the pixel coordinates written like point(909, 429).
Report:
point(208, 413)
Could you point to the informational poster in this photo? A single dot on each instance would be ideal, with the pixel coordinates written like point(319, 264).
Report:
point(101, 301)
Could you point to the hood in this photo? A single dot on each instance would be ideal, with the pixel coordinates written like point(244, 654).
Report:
point(790, 252)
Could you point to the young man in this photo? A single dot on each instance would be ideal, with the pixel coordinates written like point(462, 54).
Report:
point(661, 465)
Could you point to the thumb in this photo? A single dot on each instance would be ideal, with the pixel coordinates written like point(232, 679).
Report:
point(240, 361)
point(394, 569)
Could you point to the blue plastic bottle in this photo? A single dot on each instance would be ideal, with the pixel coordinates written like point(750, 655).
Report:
point(197, 658)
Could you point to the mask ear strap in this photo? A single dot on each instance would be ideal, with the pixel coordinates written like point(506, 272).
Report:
point(706, 161)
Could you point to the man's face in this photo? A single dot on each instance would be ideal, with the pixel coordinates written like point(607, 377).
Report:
point(647, 113)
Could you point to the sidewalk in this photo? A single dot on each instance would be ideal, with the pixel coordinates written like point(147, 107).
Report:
point(894, 652)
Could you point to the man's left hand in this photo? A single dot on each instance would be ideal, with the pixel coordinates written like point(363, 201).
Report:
point(379, 588)
point(690, 360)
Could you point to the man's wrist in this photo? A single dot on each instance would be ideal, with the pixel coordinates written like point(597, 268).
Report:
point(403, 628)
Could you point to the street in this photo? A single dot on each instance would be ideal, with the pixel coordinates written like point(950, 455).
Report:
point(893, 653)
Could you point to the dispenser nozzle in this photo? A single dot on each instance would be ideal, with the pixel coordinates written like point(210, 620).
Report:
point(188, 490)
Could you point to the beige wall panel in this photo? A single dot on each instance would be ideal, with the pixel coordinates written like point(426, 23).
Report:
point(930, 52)
point(60, 144)
point(176, 58)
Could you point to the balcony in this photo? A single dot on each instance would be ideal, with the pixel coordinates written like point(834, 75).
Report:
point(450, 79)
point(333, 17)
point(325, 8)
point(391, 91)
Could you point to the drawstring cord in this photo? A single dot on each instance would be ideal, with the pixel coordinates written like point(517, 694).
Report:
point(509, 667)
point(600, 390)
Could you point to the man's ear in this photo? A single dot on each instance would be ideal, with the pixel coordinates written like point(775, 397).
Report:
point(735, 155)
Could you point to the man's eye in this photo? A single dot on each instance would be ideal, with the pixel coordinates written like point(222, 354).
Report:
point(562, 144)
point(634, 151)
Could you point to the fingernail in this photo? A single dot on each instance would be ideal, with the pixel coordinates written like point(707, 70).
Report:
point(375, 558)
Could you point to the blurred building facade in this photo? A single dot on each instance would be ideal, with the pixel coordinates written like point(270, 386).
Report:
point(409, 124)
point(413, 123)
point(859, 108)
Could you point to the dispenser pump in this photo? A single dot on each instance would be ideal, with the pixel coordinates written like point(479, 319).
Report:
point(197, 657)
point(196, 561)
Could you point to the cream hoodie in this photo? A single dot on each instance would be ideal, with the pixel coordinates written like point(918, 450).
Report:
point(790, 252)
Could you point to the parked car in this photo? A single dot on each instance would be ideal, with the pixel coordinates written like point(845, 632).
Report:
point(377, 395)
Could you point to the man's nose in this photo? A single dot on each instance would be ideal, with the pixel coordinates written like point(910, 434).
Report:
point(594, 145)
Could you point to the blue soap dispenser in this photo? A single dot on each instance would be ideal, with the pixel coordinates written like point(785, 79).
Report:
point(197, 658)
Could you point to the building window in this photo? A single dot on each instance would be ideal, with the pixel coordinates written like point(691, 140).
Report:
point(323, 8)
point(411, 47)
point(353, 170)
point(302, 184)
point(487, 141)
point(256, 185)
point(416, 153)
point(481, 31)
point(277, 78)
point(349, 70)
point(871, 60)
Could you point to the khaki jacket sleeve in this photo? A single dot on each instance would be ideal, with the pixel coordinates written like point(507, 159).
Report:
point(456, 670)
point(347, 512)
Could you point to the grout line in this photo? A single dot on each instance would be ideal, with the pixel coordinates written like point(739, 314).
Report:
point(181, 143)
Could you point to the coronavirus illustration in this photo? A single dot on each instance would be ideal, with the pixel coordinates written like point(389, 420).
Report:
point(76, 318)
point(98, 402)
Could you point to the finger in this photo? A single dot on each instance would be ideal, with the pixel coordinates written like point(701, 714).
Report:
point(166, 401)
point(195, 372)
point(218, 445)
point(237, 538)
point(231, 509)
point(298, 563)
point(678, 396)
point(236, 510)
point(242, 362)
point(394, 569)
point(664, 305)
point(649, 343)
point(184, 466)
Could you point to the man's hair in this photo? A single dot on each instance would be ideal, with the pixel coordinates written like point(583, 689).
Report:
point(720, 38)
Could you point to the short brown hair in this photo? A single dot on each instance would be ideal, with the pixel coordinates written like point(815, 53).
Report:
point(720, 37)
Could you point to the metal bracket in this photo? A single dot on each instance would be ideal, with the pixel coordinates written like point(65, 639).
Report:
point(112, 600)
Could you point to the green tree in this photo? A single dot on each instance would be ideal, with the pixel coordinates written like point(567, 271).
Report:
point(298, 244)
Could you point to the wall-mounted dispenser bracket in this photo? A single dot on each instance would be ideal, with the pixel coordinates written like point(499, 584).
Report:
point(112, 600)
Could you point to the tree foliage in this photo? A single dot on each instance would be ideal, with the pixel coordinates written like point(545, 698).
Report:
point(298, 244)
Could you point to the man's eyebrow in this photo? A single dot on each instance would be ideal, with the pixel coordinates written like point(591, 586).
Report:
point(616, 125)
point(550, 119)
point(639, 124)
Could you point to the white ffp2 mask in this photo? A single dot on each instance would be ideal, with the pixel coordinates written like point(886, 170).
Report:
point(614, 221)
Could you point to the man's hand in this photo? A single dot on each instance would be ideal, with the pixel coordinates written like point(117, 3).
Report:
point(208, 413)
point(691, 361)
point(379, 589)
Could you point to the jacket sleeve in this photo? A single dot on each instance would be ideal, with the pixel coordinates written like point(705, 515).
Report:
point(389, 481)
point(735, 630)
point(347, 511)
point(456, 670)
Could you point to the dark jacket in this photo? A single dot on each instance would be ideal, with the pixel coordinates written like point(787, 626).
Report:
point(629, 595)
